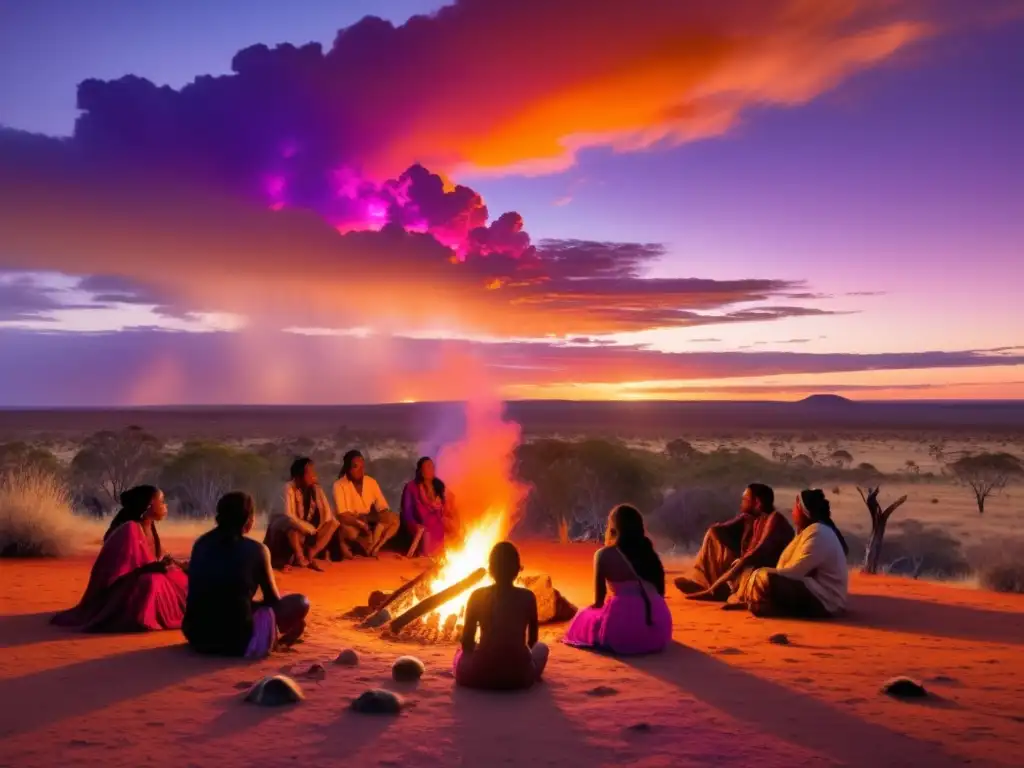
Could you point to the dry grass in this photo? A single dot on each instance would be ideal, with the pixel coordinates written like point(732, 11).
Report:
point(36, 516)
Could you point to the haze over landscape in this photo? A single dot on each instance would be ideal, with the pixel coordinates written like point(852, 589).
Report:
point(227, 203)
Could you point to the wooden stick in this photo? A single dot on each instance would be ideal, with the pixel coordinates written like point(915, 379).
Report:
point(415, 543)
point(399, 592)
point(436, 601)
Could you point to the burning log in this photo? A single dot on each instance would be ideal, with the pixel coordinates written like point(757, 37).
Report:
point(402, 590)
point(436, 601)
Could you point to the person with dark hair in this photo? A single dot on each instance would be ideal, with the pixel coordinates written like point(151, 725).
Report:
point(428, 511)
point(636, 618)
point(753, 539)
point(306, 526)
point(225, 571)
point(365, 515)
point(134, 586)
point(811, 579)
point(508, 656)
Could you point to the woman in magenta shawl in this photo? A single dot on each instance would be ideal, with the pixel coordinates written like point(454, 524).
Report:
point(427, 506)
point(635, 619)
point(134, 586)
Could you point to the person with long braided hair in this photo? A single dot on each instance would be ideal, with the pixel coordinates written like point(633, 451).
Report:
point(811, 580)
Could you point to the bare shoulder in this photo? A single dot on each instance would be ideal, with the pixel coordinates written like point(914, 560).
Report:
point(522, 593)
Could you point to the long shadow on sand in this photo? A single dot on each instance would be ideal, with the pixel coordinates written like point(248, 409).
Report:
point(31, 628)
point(920, 617)
point(77, 689)
point(517, 728)
point(789, 715)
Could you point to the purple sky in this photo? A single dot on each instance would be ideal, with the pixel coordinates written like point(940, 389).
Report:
point(883, 202)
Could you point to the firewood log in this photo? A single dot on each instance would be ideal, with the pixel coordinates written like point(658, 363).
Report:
point(402, 590)
point(437, 600)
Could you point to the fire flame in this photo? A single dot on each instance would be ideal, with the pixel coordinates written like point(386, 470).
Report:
point(461, 562)
point(478, 470)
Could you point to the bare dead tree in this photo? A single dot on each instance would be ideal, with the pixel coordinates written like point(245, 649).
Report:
point(879, 520)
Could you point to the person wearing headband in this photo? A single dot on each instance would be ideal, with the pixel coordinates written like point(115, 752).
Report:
point(811, 579)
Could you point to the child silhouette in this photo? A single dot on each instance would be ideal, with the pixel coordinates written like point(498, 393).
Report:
point(508, 656)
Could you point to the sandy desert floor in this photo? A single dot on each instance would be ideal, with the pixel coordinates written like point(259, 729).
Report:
point(722, 695)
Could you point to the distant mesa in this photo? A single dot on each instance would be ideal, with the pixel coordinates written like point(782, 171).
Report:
point(828, 401)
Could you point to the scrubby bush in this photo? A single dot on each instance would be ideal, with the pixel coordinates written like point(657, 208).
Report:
point(998, 565)
point(109, 463)
point(685, 515)
point(20, 456)
point(575, 484)
point(1003, 576)
point(201, 472)
point(36, 517)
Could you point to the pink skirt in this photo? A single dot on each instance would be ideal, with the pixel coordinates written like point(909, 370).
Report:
point(620, 625)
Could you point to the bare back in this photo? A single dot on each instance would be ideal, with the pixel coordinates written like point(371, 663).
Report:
point(506, 616)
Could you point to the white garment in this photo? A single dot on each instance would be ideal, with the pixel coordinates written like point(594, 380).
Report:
point(816, 558)
point(347, 500)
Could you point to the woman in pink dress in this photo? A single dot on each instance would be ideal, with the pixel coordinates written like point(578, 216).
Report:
point(427, 506)
point(134, 586)
point(636, 618)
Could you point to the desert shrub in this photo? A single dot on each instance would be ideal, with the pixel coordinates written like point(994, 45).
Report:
point(998, 565)
point(681, 450)
point(576, 484)
point(36, 517)
point(109, 463)
point(914, 549)
point(1003, 576)
point(867, 468)
point(685, 515)
point(201, 472)
point(18, 456)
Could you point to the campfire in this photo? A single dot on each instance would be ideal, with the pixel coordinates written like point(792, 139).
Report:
point(478, 470)
point(431, 607)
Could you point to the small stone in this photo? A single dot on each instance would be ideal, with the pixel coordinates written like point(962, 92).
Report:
point(315, 671)
point(904, 688)
point(407, 669)
point(547, 597)
point(729, 652)
point(377, 701)
point(779, 639)
point(348, 658)
point(377, 599)
point(275, 691)
point(602, 691)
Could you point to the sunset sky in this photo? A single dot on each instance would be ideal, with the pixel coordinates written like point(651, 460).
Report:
point(247, 201)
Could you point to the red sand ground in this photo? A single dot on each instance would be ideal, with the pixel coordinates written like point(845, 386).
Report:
point(722, 695)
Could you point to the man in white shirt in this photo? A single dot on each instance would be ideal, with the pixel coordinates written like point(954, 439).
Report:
point(363, 510)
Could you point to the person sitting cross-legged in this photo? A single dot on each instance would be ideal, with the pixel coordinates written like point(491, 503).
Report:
point(811, 579)
point(306, 526)
point(753, 539)
point(508, 656)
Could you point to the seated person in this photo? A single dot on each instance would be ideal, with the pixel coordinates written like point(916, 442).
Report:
point(225, 571)
point(811, 580)
point(753, 539)
point(636, 618)
point(134, 586)
point(306, 526)
point(365, 515)
point(508, 656)
point(428, 510)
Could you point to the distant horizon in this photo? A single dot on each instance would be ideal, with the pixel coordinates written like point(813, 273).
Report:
point(536, 401)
